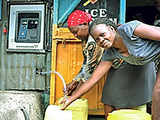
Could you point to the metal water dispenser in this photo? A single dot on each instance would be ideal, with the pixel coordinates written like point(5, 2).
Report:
point(26, 27)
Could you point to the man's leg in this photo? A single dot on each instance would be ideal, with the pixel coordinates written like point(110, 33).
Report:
point(156, 97)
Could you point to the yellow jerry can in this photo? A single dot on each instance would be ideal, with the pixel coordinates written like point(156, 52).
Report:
point(129, 114)
point(78, 110)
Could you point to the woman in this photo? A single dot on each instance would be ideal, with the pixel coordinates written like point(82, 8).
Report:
point(114, 75)
point(136, 43)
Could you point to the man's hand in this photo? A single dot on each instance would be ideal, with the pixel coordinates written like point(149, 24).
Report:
point(72, 87)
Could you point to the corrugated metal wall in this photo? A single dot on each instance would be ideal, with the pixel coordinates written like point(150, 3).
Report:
point(18, 70)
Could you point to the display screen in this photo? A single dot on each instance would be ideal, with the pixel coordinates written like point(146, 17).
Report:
point(28, 29)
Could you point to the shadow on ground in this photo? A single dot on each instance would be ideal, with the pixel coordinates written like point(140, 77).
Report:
point(96, 117)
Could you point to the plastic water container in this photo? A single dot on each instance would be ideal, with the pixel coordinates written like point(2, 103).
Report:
point(128, 114)
point(77, 110)
point(53, 112)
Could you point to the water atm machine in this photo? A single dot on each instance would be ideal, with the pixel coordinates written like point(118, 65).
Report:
point(26, 28)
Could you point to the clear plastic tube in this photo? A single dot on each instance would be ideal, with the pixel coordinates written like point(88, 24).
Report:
point(63, 81)
point(61, 77)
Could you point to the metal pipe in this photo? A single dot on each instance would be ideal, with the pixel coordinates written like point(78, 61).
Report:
point(122, 14)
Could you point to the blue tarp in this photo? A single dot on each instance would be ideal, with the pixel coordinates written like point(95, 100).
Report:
point(62, 8)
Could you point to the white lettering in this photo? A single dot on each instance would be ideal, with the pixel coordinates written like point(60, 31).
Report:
point(94, 13)
point(114, 20)
point(102, 12)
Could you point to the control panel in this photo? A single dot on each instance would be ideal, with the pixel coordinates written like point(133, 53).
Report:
point(26, 27)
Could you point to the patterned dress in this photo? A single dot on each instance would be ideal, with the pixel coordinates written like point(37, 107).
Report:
point(92, 56)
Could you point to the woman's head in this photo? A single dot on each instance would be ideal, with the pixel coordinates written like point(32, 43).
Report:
point(78, 24)
point(103, 31)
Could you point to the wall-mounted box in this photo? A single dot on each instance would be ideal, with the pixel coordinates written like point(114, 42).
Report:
point(26, 28)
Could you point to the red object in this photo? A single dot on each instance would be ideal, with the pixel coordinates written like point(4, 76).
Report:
point(78, 17)
point(4, 30)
